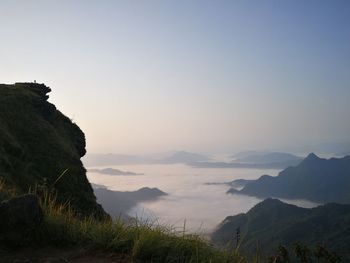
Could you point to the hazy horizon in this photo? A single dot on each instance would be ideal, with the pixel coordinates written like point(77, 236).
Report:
point(201, 76)
point(301, 150)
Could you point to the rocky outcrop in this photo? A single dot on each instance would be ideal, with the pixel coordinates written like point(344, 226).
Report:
point(20, 217)
point(38, 143)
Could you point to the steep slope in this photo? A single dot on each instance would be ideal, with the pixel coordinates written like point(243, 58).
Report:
point(38, 143)
point(272, 222)
point(315, 179)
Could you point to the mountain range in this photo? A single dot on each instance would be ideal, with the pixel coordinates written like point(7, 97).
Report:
point(254, 160)
point(273, 157)
point(316, 179)
point(174, 157)
point(112, 171)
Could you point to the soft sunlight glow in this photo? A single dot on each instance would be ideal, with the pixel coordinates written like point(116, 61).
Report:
point(147, 76)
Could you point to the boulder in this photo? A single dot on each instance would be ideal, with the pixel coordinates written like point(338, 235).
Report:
point(20, 217)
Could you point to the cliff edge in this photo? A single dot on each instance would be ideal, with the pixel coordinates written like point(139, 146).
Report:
point(38, 143)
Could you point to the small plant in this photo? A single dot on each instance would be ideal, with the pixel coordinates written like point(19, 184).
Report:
point(304, 254)
point(322, 253)
point(282, 256)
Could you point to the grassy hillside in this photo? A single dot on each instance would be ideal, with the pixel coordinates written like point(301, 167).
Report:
point(272, 223)
point(133, 241)
point(38, 144)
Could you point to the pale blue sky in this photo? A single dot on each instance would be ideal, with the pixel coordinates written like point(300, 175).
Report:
point(212, 76)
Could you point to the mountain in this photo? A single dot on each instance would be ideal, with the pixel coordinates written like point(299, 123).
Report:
point(272, 222)
point(239, 183)
point(117, 203)
point(254, 160)
point(278, 165)
point(315, 179)
point(274, 157)
point(112, 171)
point(183, 157)
point(40, 147)
point(95, 159)
point(326, 148)
point(244, 154)
point(342, 154)
point(157, 158)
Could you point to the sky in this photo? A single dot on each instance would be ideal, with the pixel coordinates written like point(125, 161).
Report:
point(205, 76)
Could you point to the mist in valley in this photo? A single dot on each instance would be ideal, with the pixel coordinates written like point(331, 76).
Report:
point(195, 197)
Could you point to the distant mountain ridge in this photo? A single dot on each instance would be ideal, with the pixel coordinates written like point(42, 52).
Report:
point(183, 157)
point(166, 158)
point(254, 160)
point(279, 165)
point(117, 203)
point(316, 179)
point(272, 222)
point(273, 157)
point(96, 159)
point(112, 171)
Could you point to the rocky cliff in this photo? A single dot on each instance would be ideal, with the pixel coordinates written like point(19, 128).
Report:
point(38, 144)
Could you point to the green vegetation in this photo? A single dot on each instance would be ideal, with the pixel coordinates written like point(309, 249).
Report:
point(303, 254)
point(145, 242)
point(140, 242)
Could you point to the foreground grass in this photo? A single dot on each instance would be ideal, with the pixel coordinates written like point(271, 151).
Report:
point(141, 242)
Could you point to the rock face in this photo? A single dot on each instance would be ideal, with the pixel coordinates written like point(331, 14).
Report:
point(38, 143)
point(19, 218)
